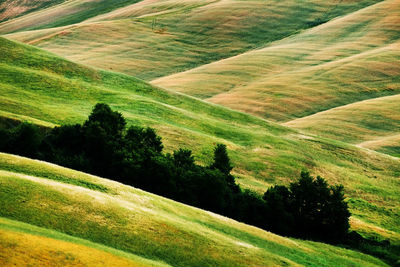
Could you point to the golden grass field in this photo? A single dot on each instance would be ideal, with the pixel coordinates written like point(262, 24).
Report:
point(18, 249)
point(297, 86)
point(10, 9)
point(348, 123)
point(348, 59)
point(150, 39)
point(387, 144)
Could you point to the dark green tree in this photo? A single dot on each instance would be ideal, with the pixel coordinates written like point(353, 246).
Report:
point(64, 145)
point(250, 208)
point(309, 208)
point(144, 141)
point(183, 158)
point(319, 210)
point(278, 217)
point(24, 140)
point(223, 164)
point(103, 132)
point(221, 159)
point(112, 122)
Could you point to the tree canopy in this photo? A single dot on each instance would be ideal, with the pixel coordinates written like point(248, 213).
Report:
point(309, 208)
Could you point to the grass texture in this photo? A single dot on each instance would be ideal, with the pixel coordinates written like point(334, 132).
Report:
point(46, 221)
point(346, 60)
point(150, 39)
point(40, 87)
point(328, 72)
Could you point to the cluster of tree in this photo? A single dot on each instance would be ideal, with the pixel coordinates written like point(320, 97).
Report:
point(308, 208)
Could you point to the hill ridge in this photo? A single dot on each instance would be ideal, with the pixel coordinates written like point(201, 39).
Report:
point(347, 123)
point(182, 40)
point(245, 71)
point(288, 123)
point(271, 43)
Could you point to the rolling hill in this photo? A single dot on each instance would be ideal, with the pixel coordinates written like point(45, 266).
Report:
point(348, 123)
point(55, 13)
point(286, 85)
point(67, 223)
point(10, 9)
point(45, 89)
point(388, 145)
point(338, 80)
point(348, 59)
point(323, 64)
point(151, 39)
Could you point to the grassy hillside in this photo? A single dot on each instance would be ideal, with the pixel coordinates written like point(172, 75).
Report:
point(45, 89)
point(65, 13)
point(14, 8)
point(151, 39)
point(333, 80)
point(388, 144)
point(72, 224)
point(343, 61)
point(348, 59)
point(25, 244)
point(368, 120)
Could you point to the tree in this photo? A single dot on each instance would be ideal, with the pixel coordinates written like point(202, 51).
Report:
point(309, 208)
point(183, 158)
point(222, 163)
point(143, 141)
point(221, 159)
point(250, 208)
point(23, 140)
point(319, 210)
point(64, 145)
point(278, 217)
point(209, 188)
point(112, 122)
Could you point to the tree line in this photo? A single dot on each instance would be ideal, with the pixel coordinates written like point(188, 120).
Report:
point(103, 145)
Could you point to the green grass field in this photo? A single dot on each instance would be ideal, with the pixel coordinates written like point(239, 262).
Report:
point(63, 223)
point(39, 87)
point(286, 86)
